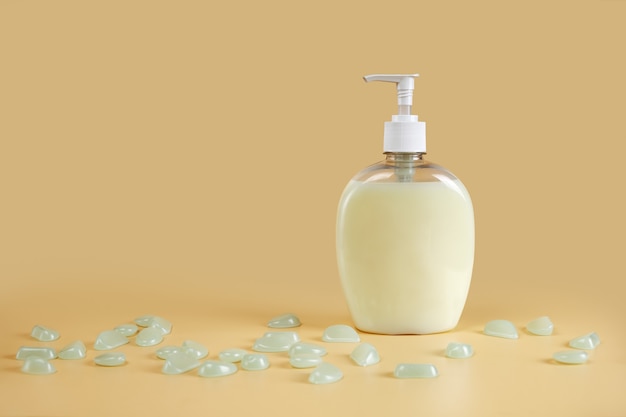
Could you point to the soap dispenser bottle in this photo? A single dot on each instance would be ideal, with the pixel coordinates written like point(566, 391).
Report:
point(405, 233)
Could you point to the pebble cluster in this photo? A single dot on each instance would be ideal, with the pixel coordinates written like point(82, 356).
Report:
point(543, 326)
point(150, 330)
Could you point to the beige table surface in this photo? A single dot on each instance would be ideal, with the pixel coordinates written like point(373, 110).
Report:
point(185, 159)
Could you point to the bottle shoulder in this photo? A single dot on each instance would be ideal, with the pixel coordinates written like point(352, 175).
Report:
point(388, 183)
point(415, 171)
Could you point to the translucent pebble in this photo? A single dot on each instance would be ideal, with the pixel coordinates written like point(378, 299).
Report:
point(180, 362)
point(305, 360)
point(255, 362)
point(127, 329)
point(109, 339)
point(541, 326)
point(325, 373)
point(501, 328)
point(195, 348)
point(44, 334)
point(110, 359)
point(144, 321)
point(160, 323)
point(75, 350)
point(212, 369)
point(284, 321)
point(232, 355)
point(415, 370)
point(365, 355)
point(588, 341)
point(340, 333)
point(165, 351)
point(459, 350)
point(574, 357)
point(149, 336)
point(302, 347)
point(276, 342)
point(26, 352)
point(38, 366)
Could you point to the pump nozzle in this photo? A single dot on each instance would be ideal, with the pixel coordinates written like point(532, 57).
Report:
point(404, 133)
point(405, 84)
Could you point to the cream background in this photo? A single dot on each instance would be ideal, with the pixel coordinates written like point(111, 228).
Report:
point(186, 158)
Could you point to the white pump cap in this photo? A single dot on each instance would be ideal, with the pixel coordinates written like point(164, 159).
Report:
point(404, 133)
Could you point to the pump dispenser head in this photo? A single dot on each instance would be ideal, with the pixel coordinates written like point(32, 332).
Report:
point(404, 133)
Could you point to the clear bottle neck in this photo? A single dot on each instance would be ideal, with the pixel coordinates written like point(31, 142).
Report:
point(404, 158)
point(404, 164)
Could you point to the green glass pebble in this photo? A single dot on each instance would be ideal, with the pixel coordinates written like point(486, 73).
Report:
point(44, 334)
point(284, 321)
point(197, 349)
point(110, 359)
point(305, 360)
point(276, 342)
point(325, 373)
point(571, 357)
point(143, 321)
point(38, 366)
point(232, 355)
point(180, 362)
point(255, 362)
point(109, 339)
point(213, 369)
point(587, 341)
point(127, 329)
point(501, 328)
point(160, 323)
point(340, 333)
point(302, 347)
point(541, 326)
point(415, 370)
point(149, 336)
point(26, 352)
point(165, 351)
point(456, 350)
point(365, 354)
point(73, 351)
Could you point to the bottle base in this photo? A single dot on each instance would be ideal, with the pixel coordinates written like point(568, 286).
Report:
point(404, 331)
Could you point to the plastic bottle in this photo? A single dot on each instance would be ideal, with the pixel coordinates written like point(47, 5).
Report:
point(405, 233)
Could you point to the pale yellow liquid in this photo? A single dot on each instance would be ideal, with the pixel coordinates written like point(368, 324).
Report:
point(405, 254)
